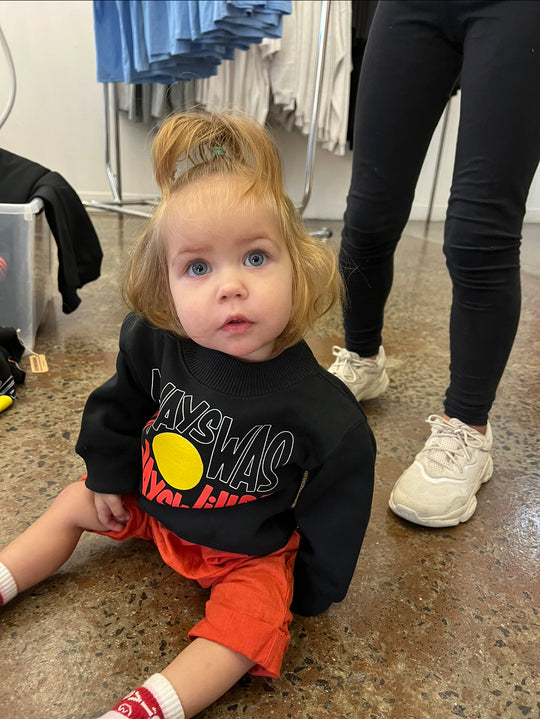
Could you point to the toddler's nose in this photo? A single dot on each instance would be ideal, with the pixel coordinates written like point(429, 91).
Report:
point(232, 286)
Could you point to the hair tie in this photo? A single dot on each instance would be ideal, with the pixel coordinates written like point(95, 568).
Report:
point(217, 151)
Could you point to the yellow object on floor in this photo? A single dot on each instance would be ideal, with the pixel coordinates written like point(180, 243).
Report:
point(5, 402)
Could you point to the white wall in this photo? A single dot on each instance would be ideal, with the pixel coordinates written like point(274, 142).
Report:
point(57, 119)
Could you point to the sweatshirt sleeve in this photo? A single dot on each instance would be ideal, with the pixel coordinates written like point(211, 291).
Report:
point(332, 514)
point(115, 414)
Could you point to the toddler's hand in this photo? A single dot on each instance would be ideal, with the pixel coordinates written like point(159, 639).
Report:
point(111, 511)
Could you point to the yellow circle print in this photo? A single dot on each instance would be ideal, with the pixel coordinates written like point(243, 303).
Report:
point(178, 460)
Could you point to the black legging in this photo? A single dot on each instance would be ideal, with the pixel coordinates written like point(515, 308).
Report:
point(414, 55)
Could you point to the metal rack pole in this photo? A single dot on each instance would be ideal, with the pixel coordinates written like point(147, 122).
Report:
point(114, 176)
point(437, 167)
point(313, 132)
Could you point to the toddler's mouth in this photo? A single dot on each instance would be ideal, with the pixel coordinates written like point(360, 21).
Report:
point(237, 325)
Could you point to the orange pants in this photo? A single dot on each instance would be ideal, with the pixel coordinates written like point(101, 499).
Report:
point(248, 610)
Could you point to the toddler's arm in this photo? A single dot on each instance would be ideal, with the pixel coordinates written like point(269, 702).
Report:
point(332, 513)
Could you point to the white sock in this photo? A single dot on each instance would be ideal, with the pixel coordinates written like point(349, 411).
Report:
point(168, 699)
point(163, 693)
point(8, 588)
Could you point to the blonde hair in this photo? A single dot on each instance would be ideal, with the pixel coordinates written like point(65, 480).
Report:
point(195, 145)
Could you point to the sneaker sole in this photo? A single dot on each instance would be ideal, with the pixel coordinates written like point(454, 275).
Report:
point(462, 514)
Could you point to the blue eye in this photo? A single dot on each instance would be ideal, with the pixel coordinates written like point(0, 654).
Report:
point(198, 268)
point(256, 259)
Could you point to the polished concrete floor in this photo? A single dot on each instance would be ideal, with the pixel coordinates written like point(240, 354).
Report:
point(437, 623)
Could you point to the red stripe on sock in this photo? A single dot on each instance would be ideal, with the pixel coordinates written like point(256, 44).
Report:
point(140, 704)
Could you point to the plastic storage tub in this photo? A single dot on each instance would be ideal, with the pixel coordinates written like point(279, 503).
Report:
point(26, 266)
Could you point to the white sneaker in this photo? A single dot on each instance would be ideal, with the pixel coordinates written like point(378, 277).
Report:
point(439, 488)
point(366, 378)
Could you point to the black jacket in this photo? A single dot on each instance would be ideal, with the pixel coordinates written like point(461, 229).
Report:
point(79, 250)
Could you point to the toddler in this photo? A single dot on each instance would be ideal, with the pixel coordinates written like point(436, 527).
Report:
point(219, 438)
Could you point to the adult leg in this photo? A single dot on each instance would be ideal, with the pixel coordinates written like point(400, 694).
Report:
point(496, 157)
point(408, 72)
point(498, 150)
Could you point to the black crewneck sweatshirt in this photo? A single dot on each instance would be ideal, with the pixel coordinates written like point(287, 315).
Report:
point(236, 455)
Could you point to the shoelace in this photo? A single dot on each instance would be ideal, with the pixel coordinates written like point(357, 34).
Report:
point(346, 361)
point(449, 445)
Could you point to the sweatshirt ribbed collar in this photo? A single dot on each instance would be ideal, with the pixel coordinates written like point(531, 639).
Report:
point(223, 373)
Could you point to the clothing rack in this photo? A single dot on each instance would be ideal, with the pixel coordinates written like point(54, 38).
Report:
point(113, 167)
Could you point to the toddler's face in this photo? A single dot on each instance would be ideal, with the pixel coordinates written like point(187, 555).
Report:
point(230, 272)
